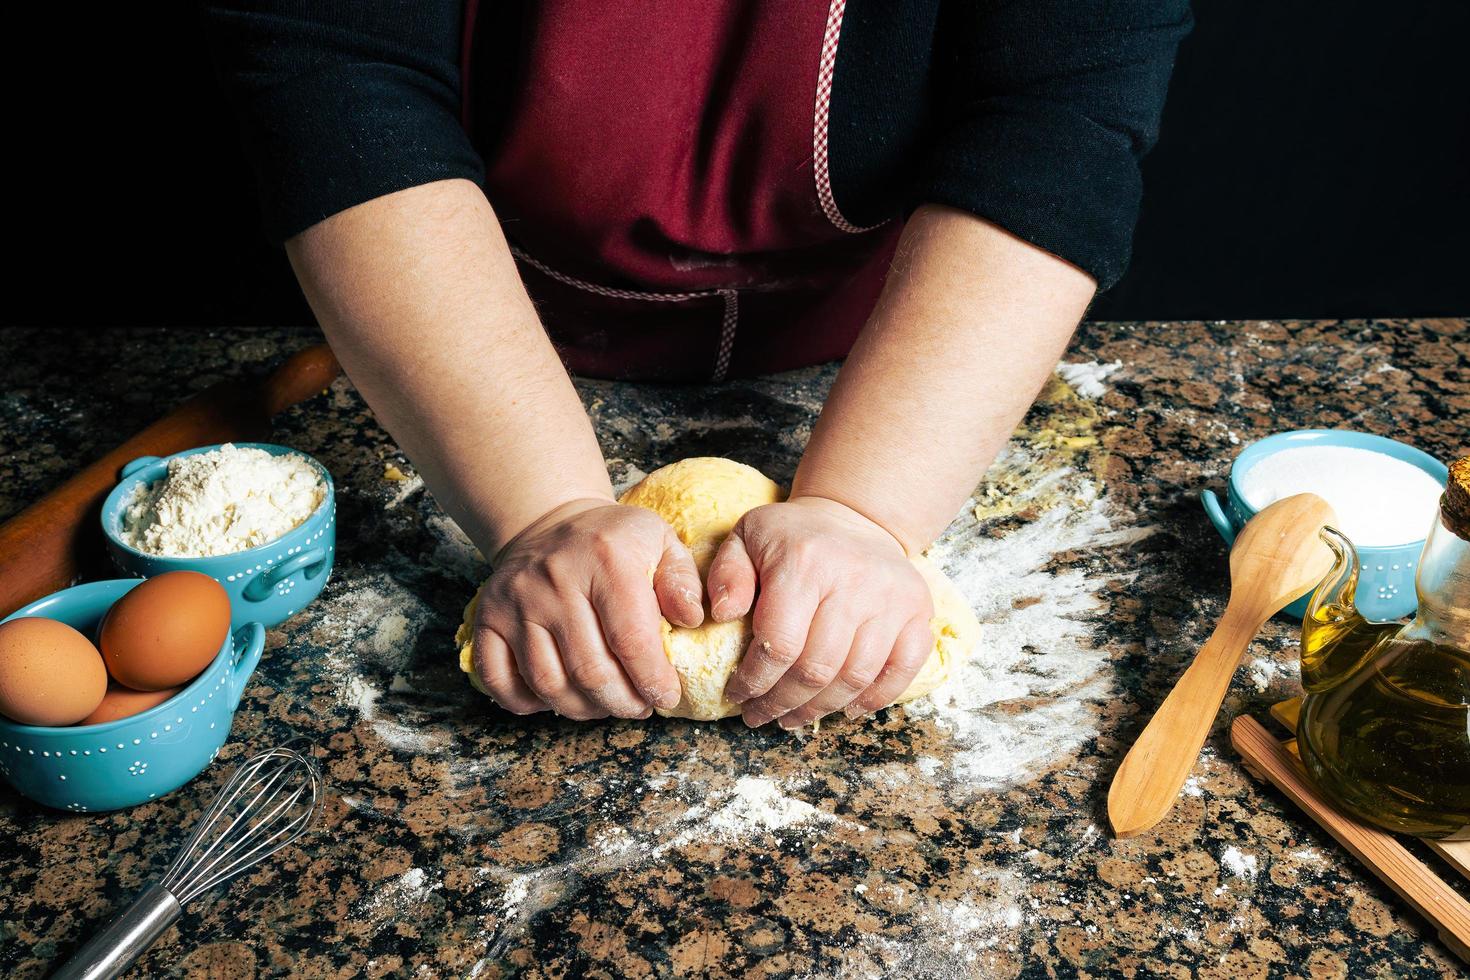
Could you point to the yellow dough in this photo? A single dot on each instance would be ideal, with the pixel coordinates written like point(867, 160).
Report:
point(702, 499)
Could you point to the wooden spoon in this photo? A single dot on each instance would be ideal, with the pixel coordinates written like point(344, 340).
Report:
point(1277, 559)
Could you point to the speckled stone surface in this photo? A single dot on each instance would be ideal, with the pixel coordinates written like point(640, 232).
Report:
point(951, 839)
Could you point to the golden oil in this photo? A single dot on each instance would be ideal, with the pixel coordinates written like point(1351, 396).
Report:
point(1391, 743)
point(1385, 724)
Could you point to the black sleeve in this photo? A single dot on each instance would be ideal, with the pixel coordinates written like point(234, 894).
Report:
point(1043, 110)
point(342, 101)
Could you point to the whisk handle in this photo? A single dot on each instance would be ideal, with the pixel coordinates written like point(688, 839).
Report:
point(109, 953)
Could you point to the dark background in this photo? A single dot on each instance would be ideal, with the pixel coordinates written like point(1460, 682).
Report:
point(1314, 163)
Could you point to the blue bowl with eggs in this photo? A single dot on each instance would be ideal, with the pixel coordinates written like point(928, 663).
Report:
point(1386, 572)
point(267, 584)
point(85, 768)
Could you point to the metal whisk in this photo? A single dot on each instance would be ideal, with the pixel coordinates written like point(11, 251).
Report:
point(269, 802)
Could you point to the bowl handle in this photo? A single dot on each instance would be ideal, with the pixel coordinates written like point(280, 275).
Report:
point(134, 466)
point(249, 644)
point(1218, 516)
point(259, 588)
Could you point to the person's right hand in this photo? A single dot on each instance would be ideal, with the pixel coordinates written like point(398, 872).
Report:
point(569, 620)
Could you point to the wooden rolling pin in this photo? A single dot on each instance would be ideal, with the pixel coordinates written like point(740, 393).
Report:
point(41, 547)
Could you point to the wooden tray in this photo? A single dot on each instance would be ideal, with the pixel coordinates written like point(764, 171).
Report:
point(1269, 758)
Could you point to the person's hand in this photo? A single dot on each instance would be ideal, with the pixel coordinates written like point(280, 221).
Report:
point(842, 617)
point(569, 621)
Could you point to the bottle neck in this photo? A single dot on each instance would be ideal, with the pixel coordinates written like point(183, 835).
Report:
point(1443, 584)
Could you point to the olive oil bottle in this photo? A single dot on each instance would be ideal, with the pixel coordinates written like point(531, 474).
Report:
point(1385, 725)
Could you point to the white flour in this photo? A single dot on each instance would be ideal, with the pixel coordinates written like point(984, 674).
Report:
point(223, 501)
point(1379, 500)
point(949, 939)
point(1238, 863)
point(1088, 376)
point(756, 804)
point(1036, 645)
point(396, 897)
point(369, 630)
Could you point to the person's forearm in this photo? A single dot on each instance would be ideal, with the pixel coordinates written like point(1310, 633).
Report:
point(420, 298)
point(971, 322)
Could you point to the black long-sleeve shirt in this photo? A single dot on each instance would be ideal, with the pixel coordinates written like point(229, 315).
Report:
point(1033, 114)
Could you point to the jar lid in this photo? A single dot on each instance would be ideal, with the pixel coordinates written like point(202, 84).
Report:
point(1456, 503)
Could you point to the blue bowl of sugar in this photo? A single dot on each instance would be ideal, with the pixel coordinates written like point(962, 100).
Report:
point(1385, 494)
point(267, 583)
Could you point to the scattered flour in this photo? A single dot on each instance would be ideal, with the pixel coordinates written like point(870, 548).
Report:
point(399, 895)
point(454, 552)
point(522, 896)
point(1238, 863)
point(755, 804)
point(968, 923)
point(890, 775)
point(371, 621)
point(1087, 377)
point(221, 502)
point(370, 629)
point(1028, 693)
point(408, 484)
point(1264, 673)
point(949, 938)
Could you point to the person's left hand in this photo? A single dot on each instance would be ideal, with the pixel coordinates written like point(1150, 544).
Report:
point(841, 621)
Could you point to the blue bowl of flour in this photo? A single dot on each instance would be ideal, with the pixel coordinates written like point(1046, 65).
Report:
point(267, 584)
point(1386, 571)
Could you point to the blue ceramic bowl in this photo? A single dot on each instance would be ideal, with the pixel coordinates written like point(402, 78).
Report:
point(1386, 572)
point(131, 760)
point(267, 584)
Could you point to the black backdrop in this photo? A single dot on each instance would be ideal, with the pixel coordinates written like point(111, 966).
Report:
point(1314, 162)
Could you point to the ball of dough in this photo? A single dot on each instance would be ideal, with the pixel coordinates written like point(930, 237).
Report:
point(702, 499)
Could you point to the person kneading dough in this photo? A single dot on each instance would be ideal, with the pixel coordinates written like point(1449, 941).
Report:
point(480, 200)
point(702, 499)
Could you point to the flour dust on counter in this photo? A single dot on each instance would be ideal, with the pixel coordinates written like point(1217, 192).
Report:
point(1088, 377)
point(398, 896)
point(1036, 649)
point(633, 799)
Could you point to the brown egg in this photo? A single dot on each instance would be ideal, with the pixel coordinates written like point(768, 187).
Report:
point(49, 673)
point(165, 631)
point(124, 702)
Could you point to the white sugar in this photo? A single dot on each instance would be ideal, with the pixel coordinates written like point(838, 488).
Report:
point(1379, 500)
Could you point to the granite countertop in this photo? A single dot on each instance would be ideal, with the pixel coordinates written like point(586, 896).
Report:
point(962, 837)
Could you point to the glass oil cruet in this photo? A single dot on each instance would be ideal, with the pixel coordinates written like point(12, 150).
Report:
point(1385, 725)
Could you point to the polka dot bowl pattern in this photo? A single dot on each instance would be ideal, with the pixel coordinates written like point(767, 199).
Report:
point(1386, 573)
point(267, 584)
point(86, 768)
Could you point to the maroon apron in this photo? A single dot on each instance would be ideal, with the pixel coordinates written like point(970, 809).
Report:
point(662, 178)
